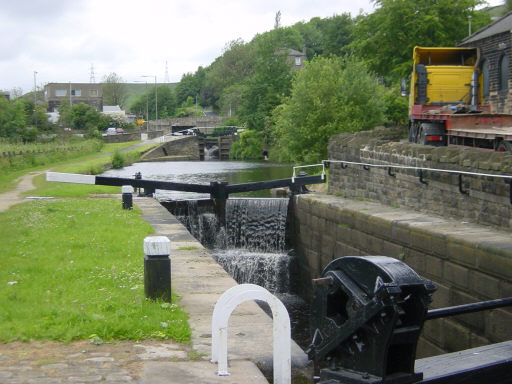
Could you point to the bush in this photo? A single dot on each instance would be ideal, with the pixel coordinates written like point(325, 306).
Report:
point(249, 146)
point(329, 96)
point(118, 160)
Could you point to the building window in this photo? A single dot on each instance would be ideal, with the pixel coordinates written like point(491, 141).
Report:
point(61, 92)
point(503, 67)
point(93, 92)
point(485, 77)
point(297, 61)
point(76, 92)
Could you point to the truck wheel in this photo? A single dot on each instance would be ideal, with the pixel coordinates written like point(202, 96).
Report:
point(504, 146)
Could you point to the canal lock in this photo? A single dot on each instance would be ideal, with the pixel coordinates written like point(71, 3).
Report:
point(254, 246)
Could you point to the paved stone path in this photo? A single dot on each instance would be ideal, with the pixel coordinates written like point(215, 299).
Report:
point(82, 362)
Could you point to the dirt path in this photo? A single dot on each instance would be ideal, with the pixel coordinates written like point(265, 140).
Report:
point(12, 197)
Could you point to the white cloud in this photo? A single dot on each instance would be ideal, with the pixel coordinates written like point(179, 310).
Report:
point(60, 38)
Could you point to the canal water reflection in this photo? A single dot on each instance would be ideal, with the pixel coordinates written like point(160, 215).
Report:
point(204, 172)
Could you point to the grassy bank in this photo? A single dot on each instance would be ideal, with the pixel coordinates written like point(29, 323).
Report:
point(86, 151)
point(73, 268)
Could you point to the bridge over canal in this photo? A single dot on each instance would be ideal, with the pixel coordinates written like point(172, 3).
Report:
point(191, 148)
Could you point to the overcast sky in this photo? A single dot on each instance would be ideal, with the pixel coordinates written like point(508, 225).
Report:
point(62, 39)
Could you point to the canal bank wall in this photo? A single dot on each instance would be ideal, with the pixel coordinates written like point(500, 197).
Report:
point(479, 199)
point(462, 242)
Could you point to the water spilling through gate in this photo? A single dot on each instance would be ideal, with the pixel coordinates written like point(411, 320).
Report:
point(252, 247)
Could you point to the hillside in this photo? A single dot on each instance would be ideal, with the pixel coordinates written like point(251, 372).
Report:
point(134, 90)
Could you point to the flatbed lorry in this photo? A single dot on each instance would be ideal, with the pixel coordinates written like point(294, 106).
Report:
point(445, 102)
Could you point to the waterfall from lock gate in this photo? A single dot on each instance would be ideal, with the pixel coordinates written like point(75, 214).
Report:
point(252, 245)
point(255, 243)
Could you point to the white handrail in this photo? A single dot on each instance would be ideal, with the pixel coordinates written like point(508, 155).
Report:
point(281, 329)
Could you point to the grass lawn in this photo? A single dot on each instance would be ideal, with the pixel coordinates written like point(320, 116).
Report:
point(73, 269)
point(91, 161)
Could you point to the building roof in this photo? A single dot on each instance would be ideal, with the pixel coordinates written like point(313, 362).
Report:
point(503, 24)
point(112, 108)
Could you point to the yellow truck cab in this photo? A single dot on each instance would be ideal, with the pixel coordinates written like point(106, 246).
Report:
point(445, 101)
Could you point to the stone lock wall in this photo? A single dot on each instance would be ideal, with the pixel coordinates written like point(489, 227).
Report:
point(181, 148)
point(467, 262)
point(462, 242)
point(487, 200)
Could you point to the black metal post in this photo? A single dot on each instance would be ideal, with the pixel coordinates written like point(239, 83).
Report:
point(127, 191)
point(468, 308)
point(157, 268)
point(219, 195)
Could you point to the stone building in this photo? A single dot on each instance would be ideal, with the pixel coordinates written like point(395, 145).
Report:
point(296, 58)
point(494, 43)
point(74, 93)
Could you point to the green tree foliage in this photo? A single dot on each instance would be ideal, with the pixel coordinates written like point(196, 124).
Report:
point(386, 37)
point(65, 115)
point(166, 103)
point(249, 146)
point(190, 86)
point(114, 90)
point(338, 34)
point(508, 6)
point(331, 95)
point(84, 117)
point(229, 71)
point(12, 118)
point(271, 81)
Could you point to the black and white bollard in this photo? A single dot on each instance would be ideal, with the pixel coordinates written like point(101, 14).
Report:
point(157, 268)
point(127, 191)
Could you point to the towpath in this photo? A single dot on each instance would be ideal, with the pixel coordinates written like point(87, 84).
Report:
point(199, 280)
point(15, 196)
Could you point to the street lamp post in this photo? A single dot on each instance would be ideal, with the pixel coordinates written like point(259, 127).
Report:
point(156, 95)
point(35, 99)
point(147, 104)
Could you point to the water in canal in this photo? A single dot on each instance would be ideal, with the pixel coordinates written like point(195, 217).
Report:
point(252, 246)
point(204, 172)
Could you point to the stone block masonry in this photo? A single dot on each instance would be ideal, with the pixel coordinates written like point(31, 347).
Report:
point(468, 262)
point(487, 200)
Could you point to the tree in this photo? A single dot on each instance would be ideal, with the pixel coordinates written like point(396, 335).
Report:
point(338, 34)
point(386, 37)
point(166, 103)
point(84, 117)
point(271, 81)
point(190, 86)
point(234, 67)
point(329, 96)
point(249, 146)
point(114, 90)
point(12, 118)
point(65, 115)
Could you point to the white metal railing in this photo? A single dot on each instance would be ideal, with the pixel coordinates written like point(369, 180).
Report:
point(308, 166)
point(393, 166)
point(227, 303)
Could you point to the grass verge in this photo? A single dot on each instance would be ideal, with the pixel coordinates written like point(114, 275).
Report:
point(87, 165)
point(73, 269)
point(89, 151)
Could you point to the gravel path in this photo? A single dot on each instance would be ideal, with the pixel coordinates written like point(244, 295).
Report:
point(14, 196)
